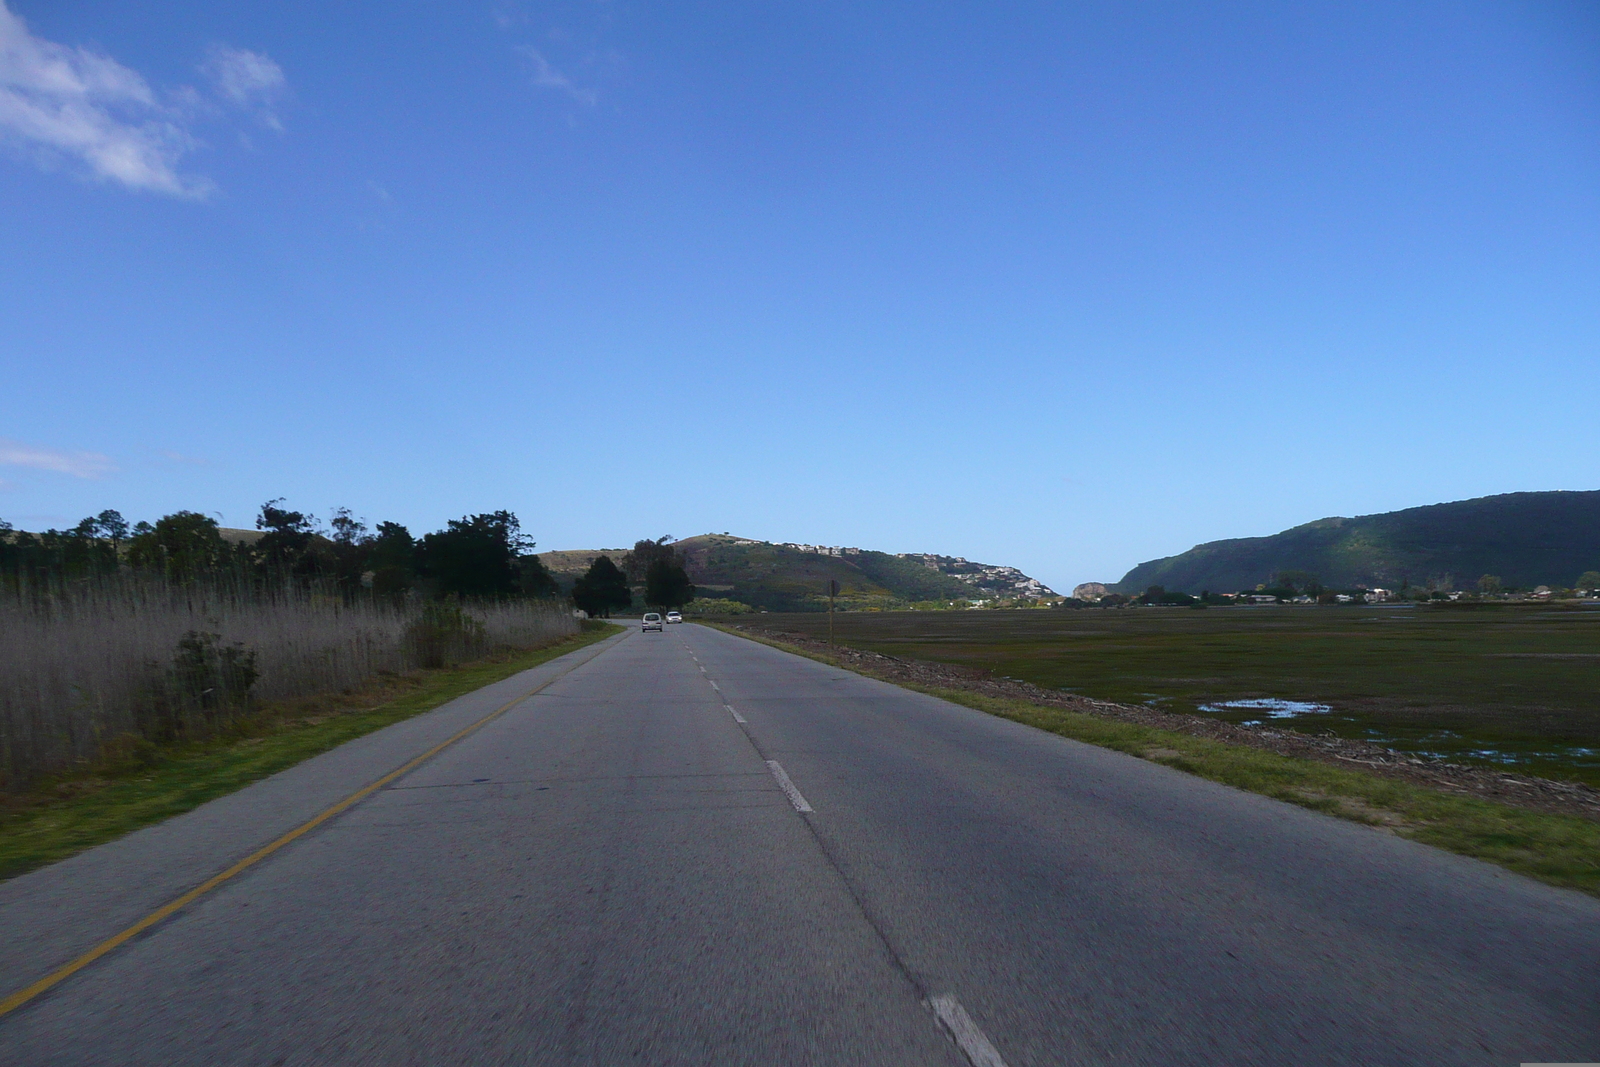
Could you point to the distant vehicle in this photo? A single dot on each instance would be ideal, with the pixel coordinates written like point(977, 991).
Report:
point(652, 621)
point(673, 616)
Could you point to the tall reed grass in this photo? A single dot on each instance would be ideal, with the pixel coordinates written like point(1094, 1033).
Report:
point(131, 659)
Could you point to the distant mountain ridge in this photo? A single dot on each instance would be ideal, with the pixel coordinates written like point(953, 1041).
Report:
point(1525, 539)
point(787, 576)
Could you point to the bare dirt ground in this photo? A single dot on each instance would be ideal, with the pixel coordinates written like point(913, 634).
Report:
point(1523, 791)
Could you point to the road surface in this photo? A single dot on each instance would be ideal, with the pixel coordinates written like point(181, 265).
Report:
point(689, 848)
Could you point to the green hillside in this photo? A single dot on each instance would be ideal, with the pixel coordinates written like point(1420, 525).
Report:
point(1525, 539)
point(784, 577)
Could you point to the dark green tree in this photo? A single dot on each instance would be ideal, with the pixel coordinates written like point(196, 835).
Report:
point(184, 546)
point(478, 555)
point(602, 589)
point(285, 548)
point(112, 526)
point(637, 562)
point(1297, 582)
point(534, 578)
point(10, 551)
point(667, 585)
point(392, 559)
point(105, 532)
point(350, 547)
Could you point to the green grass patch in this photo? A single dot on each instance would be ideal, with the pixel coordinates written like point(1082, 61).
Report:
point(149, 785)
point(1562, 850)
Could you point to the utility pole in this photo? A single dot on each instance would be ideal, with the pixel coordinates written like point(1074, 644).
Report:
point(833, 591)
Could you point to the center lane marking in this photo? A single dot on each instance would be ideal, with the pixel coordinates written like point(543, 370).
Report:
point(736, 716)
point(968, 1037)
point(787, 786)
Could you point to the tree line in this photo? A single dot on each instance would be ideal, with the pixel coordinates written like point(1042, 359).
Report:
point(484, 555)
point(606, 587)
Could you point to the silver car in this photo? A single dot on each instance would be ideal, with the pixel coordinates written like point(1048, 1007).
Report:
point(652, 621)
point(673, 616)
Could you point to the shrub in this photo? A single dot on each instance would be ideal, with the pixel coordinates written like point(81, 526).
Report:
point(444, 635)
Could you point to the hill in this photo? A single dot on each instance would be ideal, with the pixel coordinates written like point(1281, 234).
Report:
point(1525, 539)
point(794, 577)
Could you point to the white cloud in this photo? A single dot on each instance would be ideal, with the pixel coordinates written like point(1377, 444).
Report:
point(35, 457)
point(59, 103)
point(246, 79)
point(83, 105)
point(550, 78)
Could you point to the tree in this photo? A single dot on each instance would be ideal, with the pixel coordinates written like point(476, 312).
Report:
point(602, 589)
point(347, 529)
point(637, 563)
point(1298, 582)
point(391, 557)
point(109, 526)
point(285, 548)
point(667, 585)
point(183, 545)
point(477, 555)
point(113, 527)
point(534, 578)
point(79, 551)
point(351, 547)
point(1589, 581)
point(1489, 583)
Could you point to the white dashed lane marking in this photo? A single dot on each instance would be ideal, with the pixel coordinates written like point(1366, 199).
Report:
point(965, 1032)
point(736, 716)
point(787, 786)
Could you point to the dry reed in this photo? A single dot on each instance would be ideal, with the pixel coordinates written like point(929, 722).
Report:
point(128, 658)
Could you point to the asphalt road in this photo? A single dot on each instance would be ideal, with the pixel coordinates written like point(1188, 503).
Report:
point(693, 849)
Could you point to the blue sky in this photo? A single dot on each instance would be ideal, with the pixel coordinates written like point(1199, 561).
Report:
point(1064, 286)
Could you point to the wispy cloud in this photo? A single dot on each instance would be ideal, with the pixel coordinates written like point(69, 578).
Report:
point(509, 15)
point(549, 77)
point(246, 79)
point(39, 458)
point(64, 104)
point(81, 104)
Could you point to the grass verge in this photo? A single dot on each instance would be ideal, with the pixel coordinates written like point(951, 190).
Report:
point(72, 814)
point(1563, 850)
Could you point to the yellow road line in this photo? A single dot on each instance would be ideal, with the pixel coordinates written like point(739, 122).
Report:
point(22, 996)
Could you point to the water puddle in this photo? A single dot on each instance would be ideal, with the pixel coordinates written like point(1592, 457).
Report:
point(1275, 708)
point(1528, 754)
